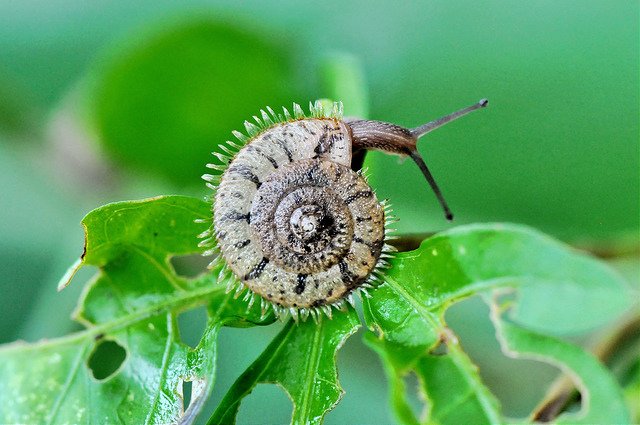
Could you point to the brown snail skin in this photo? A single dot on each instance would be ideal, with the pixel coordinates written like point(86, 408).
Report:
point(293, 224)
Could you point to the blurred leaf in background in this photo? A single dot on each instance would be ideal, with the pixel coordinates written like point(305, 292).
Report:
point(163, 105)
point(16, 113)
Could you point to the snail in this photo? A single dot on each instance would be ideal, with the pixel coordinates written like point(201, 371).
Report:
point(295, 222)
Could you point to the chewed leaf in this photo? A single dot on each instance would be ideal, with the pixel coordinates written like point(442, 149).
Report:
point(602, 398)
point(301, 359)
point(131, 306)
point(395, 373)
point(450, 384)
point(553, 286)
point(53, 382)
point(454, 389)
point(131, 242)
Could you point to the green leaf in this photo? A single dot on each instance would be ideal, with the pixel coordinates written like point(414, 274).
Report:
point(602, 398)
point(556, 284)
point(133, 302)
point(407, 312)
point(130, 241)
point(450, 383)
point(301, 359)
point(395, 371)
point(51, 382)
point(454, 389)
point(163, 105)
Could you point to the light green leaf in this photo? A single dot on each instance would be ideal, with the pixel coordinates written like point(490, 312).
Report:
point(51, 382)
point(602, 398)
point(301, 359)
point(131, 242)
point(556, 283)
point(132, 303)
point(407, 312)
point(450, 384)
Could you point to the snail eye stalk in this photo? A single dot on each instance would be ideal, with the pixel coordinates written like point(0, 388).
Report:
point(420, 131)
point(429, 127)
point(415, 155)
point(392, 138)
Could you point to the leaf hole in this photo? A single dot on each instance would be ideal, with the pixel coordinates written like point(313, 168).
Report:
point(361, 375)
point(567, 403)
point(106, 359)
point(190, 266)
point(413, 394)
point(187, 387)
point(192, 325)
point(267, 404)
point(440, 350)
point(238, 348)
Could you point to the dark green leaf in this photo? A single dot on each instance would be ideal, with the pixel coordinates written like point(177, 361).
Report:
point(165, 104)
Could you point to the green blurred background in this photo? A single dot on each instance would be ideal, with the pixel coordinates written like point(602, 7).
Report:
point(113, 100)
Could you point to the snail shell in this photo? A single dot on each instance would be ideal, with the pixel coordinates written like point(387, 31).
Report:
point(293, 221)
point(296, 226)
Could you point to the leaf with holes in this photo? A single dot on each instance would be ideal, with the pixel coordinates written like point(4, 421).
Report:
point(129, 311)
point(552, 285)
point(301, 359)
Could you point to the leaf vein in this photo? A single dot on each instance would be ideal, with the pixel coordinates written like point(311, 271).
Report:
point(163, 368)
point(67, 384)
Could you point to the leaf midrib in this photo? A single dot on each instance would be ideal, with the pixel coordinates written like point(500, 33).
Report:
point(194, 298)
point(311, 367)
point(427, 315)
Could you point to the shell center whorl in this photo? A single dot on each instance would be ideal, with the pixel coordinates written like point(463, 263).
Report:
point(302, 223)
point(307, 221)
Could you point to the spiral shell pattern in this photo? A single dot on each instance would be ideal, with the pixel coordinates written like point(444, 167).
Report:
point(293, 222)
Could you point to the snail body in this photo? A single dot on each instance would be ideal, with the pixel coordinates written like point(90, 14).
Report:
point(294, 224)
